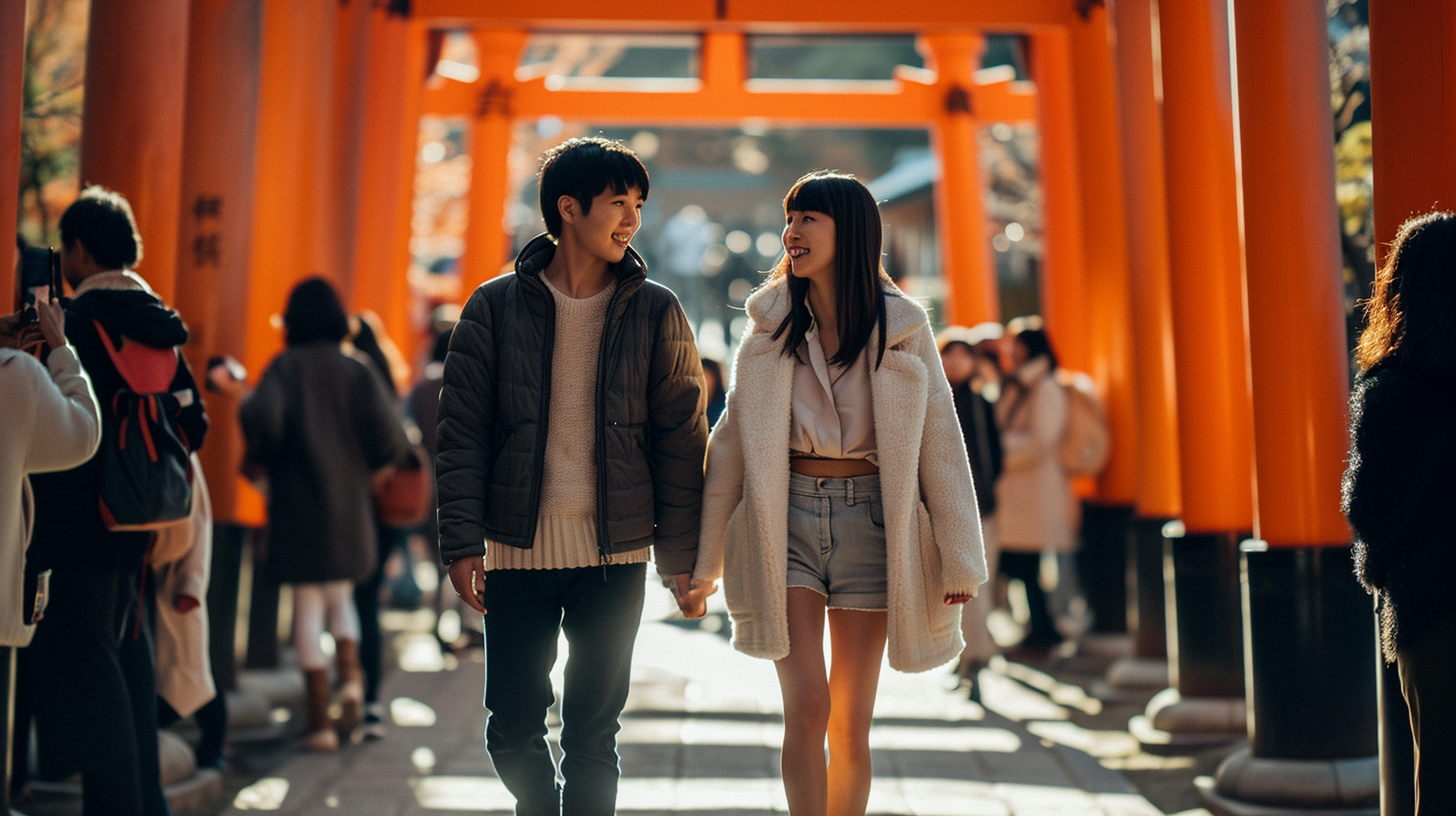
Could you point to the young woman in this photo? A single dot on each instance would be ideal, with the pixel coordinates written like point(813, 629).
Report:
point(319, 426)
point(1036, 510)
point(838, 488)
point(1399, 483)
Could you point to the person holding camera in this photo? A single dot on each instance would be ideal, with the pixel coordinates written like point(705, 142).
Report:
point(53, 423)
point(88, 673)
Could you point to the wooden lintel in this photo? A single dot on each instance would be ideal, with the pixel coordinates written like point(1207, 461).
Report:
point(913, 106)
point(801, 16)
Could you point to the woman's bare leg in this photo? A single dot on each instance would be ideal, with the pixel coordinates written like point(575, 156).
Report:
point(806, 705)
point(856, 648)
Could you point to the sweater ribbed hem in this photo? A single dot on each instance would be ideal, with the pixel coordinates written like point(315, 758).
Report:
point(562, 542)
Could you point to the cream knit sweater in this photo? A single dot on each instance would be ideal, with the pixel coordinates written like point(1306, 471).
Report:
point(566, 527)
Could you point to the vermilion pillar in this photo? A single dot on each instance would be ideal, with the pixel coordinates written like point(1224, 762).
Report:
point(486, 242)
point(213, 245)
point(1107, 515)
point(960, 212)
point(12, 77)
point(1159, 495)
point(1411, 63)
point(1307, 625)
point(131, 142)
point(388, 134)
point(1216, 421)
point(1063, 283)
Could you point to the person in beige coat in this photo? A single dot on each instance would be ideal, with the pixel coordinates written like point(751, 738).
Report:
point(838, 488)
point(52, 422)
point(1036, 509)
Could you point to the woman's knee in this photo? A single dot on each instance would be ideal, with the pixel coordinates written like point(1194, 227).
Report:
point(807, 713)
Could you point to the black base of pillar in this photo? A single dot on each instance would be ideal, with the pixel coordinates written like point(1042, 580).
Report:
point(1147, 607)
point(7, 729)
point(1205, 614)
point(1102, 564)
point(262, 650)
point(1312, 692)
point(228, 543)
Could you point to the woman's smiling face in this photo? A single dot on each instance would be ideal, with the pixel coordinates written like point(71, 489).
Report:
point(809, 242)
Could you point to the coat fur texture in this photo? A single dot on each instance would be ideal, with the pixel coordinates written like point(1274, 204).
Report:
point(932, 531)
point(1035, 507)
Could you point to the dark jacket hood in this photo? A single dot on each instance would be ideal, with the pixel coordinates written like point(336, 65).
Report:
point(139, 315)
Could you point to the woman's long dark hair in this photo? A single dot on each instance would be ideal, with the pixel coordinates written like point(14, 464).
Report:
point(859, 293)
point(1412, 313)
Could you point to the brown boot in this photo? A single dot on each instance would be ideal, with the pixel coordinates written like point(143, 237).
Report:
point(318, 734)
point(351, 687)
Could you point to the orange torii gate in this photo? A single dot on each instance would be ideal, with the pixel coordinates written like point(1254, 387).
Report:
point(294, 151)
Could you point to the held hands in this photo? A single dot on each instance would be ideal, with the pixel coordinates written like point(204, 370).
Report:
point(468, 577)
point(52, 322)
point(952, 599)
point(691, 595)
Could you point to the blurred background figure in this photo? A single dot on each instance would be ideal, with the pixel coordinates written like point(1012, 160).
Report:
point(717, 395)
point(319, 427)
point(1400, 480)
point(1036, 509)
point(969, 368)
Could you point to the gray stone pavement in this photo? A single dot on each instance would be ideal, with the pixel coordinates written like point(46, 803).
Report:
point(701, 732)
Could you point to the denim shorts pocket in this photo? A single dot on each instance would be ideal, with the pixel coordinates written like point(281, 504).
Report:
point(877, 511)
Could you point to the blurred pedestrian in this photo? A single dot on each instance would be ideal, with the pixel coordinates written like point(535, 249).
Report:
point(717, 396)
point(89, 671)
point(319, 426)
point(1400, 480)
point(838, 490)
point(1037, 511)
point(968, 368)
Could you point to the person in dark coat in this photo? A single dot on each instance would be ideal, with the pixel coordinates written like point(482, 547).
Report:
point(89, 670)
point(318, 427)
point(570, 453)
point(1400, 480)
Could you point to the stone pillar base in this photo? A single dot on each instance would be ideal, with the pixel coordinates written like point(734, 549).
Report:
point(1246, 785)
point(1131, 678)
point(1174, 722)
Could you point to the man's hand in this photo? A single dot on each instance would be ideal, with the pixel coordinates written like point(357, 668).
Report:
point(468, 577)
point(692, 595)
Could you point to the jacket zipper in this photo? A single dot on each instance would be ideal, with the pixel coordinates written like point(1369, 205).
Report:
point(604, 544)
point(544, 413)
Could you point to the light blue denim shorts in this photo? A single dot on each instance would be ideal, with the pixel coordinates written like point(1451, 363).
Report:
point(837, 540)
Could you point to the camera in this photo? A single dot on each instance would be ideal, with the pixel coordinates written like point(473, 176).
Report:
point(39, 277)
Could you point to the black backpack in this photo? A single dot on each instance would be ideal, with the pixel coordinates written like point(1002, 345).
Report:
point(146, 478)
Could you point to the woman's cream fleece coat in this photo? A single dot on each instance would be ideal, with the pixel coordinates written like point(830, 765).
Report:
point(932, 531)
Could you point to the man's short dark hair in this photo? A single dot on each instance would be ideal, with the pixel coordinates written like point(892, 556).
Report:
point(101, 220)
point(584, 167)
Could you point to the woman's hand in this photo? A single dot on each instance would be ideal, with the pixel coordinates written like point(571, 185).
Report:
point(692, 595)
point(952, 599)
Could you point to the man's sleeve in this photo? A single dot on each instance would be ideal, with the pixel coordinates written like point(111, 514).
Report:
point(677, 413)
point(467, 416)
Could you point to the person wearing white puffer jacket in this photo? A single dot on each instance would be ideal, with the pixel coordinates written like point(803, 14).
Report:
point(52, 423)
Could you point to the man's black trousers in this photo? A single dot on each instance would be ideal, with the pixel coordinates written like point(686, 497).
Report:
point(599, 609)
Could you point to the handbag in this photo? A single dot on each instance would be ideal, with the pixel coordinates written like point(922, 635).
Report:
point(402, 496)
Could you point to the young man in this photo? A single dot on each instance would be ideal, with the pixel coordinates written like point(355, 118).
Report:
point(571, 439)
point(88, 672)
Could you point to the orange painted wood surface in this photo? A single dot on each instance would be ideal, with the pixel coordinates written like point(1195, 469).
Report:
point(1106, 284)
point(12, 77)
point(1297, 345)
point(1159, 491)
point(1413, 112)
point(486, 242)
point(214, 246)
point(1063, 276)
point(131, 142)
point(1215, 415)
point(960, 210)
point(870, 16)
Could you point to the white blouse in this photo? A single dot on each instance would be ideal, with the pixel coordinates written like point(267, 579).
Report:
point(833, 415)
